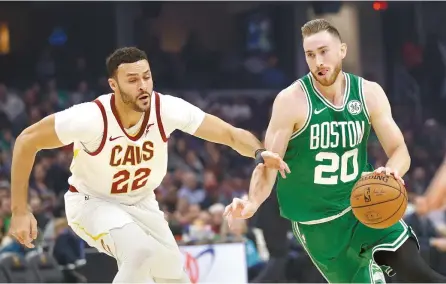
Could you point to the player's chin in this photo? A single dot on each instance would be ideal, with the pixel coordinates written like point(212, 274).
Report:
point(141, 106)
point(325, 80)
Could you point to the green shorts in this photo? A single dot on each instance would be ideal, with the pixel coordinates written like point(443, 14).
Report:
point(342, 249)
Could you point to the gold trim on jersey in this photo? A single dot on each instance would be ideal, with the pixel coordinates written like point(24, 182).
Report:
point(93, 237)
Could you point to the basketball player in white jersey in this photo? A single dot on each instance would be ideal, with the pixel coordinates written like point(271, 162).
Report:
point(120, 157)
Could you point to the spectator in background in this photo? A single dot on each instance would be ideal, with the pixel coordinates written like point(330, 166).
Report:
point(194, 162)
point(210, 185)
point(58, 172)
point(418, 181)
point(423, 228)
point(69, 252)
point(190, 189)
point(55, 98)
point(82, 94)
point(42, 216)
point(10, 103)
point(5, 211)
point(216, 217)
point(239, 231)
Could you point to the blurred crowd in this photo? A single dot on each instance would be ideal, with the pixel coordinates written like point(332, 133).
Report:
point(202, 177)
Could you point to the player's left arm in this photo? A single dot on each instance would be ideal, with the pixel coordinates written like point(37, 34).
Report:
point(216, 130)
point(190, 119)
point(389, 134)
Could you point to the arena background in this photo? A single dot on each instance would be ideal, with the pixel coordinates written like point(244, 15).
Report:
point(230, 59)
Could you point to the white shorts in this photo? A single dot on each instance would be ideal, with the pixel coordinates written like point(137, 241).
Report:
point(92, 219)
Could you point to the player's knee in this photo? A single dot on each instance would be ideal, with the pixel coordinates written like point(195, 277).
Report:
point(134, 250)
point(141, 255)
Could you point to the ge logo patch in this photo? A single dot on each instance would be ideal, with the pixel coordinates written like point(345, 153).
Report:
point(354, 107)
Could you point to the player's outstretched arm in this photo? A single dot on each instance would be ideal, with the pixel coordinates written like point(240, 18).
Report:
point(181, 115)
point(436, 191)
point(286, 115)
point(389, 134)
point(245, 143)
point(216, 130)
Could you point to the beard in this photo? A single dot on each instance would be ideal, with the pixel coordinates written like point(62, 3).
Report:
point(328, 81)
point(131, 102)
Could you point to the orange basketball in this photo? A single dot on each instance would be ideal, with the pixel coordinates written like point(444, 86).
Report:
point(378, 200)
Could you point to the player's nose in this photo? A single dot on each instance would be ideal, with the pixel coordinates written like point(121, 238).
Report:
point(143, 88)
point(319, 61)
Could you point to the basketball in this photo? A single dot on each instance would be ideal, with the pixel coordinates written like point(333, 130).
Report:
point(378, 200)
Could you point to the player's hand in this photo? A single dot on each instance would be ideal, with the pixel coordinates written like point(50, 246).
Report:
point(274, 161)
point(388, 171)
point(239, 209)
point(24, 228)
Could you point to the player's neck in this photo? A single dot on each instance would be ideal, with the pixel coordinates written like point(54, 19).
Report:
point(335, 90)
point(127, 115)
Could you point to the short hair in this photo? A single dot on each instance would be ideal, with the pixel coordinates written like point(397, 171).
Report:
point(319, 25)
point(121, 56)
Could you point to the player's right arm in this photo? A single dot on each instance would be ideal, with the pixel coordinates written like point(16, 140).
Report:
point(436, 191)
point(288, 115)
point(54, 131)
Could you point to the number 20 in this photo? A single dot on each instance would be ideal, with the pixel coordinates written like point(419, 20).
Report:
point(333, 167)
point(121, 180)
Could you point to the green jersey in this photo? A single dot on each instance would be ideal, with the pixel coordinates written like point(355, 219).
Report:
point(326, 156)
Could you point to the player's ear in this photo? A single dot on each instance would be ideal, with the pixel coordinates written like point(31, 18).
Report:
point(113, 84)
point(343, 50)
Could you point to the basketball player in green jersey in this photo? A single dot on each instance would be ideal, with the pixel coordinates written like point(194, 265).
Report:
point(320, 124)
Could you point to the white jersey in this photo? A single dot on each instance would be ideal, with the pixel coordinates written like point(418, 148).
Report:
point(114, 163)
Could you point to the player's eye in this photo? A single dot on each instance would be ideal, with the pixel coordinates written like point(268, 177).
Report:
point(133, 81)
point(311, 55)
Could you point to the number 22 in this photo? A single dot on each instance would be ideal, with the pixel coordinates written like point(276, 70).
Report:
point(121, 180)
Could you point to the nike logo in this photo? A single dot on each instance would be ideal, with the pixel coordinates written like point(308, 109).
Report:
point(147, 128)
point(316, 111)
point(114, 138)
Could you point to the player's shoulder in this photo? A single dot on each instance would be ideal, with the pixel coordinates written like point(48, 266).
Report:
point(374, 96)
point(371, 87)
point(167, 98)
point(85, 110)
point(170, 104)
point(91, 113)
point(292, 96)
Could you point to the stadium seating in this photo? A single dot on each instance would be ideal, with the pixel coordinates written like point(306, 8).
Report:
point(16, 269)
point(45, 267)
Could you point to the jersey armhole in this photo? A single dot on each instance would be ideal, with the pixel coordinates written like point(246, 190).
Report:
point(158, 117)
point(363, 100)
point(104, 135)
point(310, 110)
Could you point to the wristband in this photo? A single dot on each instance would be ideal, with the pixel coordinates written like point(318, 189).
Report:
point(258, 156)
